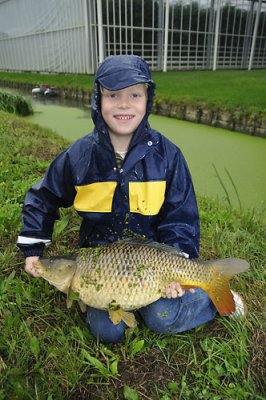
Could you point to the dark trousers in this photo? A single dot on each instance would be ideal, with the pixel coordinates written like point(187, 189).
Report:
point(167, 316)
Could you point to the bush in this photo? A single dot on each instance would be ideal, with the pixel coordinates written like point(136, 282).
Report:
point(15, 104)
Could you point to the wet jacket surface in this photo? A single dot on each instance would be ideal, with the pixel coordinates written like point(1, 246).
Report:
point(152, 194)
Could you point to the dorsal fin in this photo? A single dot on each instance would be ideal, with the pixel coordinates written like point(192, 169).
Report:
point(138, 241)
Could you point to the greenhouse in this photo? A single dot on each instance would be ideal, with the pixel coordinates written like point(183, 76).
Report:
point(73, 37)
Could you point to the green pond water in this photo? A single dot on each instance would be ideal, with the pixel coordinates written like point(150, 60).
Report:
point(222, 163)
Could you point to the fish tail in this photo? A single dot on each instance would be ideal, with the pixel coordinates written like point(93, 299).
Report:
point(219, 290)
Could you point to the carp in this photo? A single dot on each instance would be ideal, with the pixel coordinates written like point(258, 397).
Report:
point(132, 273)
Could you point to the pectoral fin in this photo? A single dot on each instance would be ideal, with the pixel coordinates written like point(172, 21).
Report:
point(71, 296)
point(122, 315)
point(82, 306)
point(69, 302)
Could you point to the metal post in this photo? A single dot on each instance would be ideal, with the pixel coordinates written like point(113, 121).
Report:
point(159, 35)
point(247, 36)
point(254, 35)
point(100, 30)
point(86, 28)
point(216, 38)
point(91, 54)
point(166, 30)
point(210, 35)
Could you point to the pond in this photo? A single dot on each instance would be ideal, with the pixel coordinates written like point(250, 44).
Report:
point(222, 163)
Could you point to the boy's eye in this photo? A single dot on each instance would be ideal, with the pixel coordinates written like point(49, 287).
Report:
point(113, 95)
point(135, 95)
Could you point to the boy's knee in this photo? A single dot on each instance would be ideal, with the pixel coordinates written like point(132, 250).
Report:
point(102, 327)
point(158, 325)
point(178, 315)
point(160, 316)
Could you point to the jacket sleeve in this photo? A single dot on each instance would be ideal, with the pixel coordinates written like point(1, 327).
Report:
point(41, 205)
point(179, 224)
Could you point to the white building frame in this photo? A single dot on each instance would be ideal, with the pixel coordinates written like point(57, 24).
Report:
point(74, 36)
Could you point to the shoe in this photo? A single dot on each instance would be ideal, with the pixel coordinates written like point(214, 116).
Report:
point(241, 308)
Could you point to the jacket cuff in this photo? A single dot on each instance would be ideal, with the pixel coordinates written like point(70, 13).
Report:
point(35, 249)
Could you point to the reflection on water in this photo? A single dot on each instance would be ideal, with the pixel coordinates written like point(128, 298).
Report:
point(58, 101)
point(239, 159)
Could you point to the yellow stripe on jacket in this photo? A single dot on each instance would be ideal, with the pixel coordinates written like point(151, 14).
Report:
point(95, 197)
point(146, 198)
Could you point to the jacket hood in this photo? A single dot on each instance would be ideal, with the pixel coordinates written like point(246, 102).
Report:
point(119, 72)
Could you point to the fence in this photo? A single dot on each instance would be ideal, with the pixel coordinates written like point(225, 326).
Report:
point(73, 36)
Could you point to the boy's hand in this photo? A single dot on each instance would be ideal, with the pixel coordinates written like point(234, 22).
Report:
point(174, 290)
point(30, 266)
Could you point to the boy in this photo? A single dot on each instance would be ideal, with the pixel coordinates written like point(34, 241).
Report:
point(124, 175)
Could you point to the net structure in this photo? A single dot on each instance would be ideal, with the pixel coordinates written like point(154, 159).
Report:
point(74, 36)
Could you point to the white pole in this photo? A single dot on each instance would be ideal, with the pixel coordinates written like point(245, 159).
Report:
point(217, 27)
point(166, 30)
point(86, 30)
point(254, 36)
point(100, 29)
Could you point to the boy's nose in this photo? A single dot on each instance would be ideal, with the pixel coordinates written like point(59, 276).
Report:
point(124, 101)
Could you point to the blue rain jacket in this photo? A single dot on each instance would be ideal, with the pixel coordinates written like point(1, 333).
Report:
point(152, 194)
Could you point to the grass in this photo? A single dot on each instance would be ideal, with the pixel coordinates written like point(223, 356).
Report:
point(226, 89)
point(59, 80)
point(47, 352)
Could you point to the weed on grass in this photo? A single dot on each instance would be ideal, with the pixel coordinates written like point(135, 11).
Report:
point(47, 351)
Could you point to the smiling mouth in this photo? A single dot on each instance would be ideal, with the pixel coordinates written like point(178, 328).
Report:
point(124, 117)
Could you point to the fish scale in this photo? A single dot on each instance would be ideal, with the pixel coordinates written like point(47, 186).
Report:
point(131, 274)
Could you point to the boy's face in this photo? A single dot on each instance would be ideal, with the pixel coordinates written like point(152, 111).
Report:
point(123, 110)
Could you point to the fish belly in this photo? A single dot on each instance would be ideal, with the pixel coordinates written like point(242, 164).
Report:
point(112, 295)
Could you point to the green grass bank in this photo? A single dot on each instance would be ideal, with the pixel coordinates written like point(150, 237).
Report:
point(47, 352)
point(223, 88)
point(231, 99)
